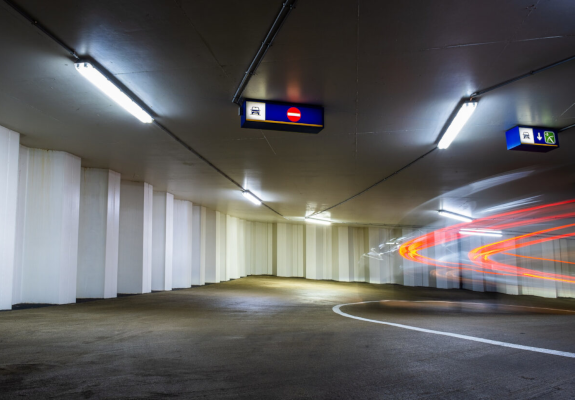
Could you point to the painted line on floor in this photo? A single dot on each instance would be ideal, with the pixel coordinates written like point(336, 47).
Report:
point(337, 310)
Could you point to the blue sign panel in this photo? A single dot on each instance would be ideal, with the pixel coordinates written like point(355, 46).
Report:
point(528, 138)
point(261, 114)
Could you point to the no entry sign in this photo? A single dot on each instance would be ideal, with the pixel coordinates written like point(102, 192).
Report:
point(293, 114)
point(262, 114)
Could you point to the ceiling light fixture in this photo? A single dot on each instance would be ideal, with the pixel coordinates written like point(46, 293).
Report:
point(481, 232)
point(458, 122)
point(453, 215)
point(317, 221)
point(89, 72)
point(250, 196)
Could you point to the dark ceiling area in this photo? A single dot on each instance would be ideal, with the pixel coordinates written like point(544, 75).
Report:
point(388, 74)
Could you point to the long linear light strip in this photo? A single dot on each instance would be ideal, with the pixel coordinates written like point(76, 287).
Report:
point(481, 232)
point(250, 196)
point(91, 73)
point(243, 84)
point(98, 79)
point(465, 111)
point(453, 215)
point(317, 221)
point(129, 105)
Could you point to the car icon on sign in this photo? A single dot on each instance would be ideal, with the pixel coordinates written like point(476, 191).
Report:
point(255, 111)
point(525, 135)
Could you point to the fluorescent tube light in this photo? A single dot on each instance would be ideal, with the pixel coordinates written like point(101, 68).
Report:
point(458, 122)
point(317, 221)
point(249, 195)
point(453, 215)
point(112, 91)
point(481, 232)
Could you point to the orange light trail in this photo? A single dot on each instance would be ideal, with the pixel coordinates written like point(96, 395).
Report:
point(538, 258)
point(481, 256)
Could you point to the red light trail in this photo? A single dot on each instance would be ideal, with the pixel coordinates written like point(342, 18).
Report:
point(480, 258)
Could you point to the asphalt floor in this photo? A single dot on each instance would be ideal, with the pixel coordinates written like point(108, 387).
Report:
point(278, 338)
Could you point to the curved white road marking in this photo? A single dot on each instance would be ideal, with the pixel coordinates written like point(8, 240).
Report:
point(337, 310)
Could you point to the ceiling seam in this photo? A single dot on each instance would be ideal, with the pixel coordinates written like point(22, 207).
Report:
point(76, 57)
point(268, 142)
point(204, 41)
point(474, 95)
point(376, 183)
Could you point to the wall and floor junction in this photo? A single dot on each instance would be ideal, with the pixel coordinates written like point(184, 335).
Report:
point(72, 232)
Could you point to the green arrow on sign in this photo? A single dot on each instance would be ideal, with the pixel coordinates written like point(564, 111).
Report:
point(549, 137)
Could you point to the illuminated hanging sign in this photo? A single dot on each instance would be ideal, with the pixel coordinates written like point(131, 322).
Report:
point(260, 114)
point(528, 138)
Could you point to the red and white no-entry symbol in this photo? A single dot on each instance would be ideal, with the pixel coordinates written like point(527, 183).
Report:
point(293, 114)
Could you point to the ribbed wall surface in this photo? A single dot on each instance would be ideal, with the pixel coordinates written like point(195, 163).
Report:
point(162, 240)
point(9, 151)
point(48, 241)
point(135, 252)
point(183, 244)
point(290, 250)
point(98, 234)
point(69, 232)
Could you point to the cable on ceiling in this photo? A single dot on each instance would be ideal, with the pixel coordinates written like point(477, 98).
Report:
point(41, 27)
point(377, 183)
point(475, 94)
point(528, 74)
point(76, 57)
point(287, 6)
point(566, 127)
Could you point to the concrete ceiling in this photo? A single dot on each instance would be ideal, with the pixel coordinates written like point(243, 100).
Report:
point(389, 74)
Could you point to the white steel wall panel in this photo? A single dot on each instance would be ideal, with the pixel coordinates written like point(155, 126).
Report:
point(563, 250)
point(221, 247)
point(377, 259)
point(345, 273)
point(23, 161)
point(112, 235)
point(198, 270)
point(284, 251)
point(148, 221)
point(135, 238)
point(232, 246)
point(249, 253)
point(443, 277)
point(409, 267)
point(242, 248)
point(270, 247)
point(49, 243)
point(209, 236)
point(311, 264)
point(183, 244)
point(162, 240)
point(260, 249)
point(9, 154)
point(98, 234)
